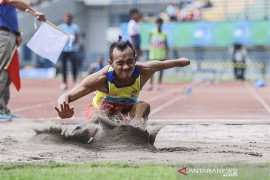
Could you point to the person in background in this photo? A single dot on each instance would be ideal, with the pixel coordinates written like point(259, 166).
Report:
point(207, 4)
point(158, 50)
point(10, 36)
point(239, 56)
point(70, 49)
point(134, 31)
point(95, 67)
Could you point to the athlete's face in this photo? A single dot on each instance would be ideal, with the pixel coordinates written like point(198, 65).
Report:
point(123, 63)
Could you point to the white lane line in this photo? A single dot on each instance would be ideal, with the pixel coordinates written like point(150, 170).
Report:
point(53, 102)
point(166, 104)
point(161, 96)
point(208, 121)
point(167, 121)
point(176, 90)
point(174, 100)
point(258, 97)
point(34, 106)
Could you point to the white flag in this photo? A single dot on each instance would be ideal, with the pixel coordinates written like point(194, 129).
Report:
point(48, 42)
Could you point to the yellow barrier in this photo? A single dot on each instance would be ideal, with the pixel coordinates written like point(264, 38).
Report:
point(228, 65)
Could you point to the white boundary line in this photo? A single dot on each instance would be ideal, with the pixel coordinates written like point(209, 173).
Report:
point(207, 121)
point(258, 97)
point(173, 100)
point(34, 106)
point(221, 121)
point(147, 100)
point(162, 96)
point(166, 104)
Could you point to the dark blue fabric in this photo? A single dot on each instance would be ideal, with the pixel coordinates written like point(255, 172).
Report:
point(136, 72)
point(137, 40)
point(8, 17)
point(110, 76)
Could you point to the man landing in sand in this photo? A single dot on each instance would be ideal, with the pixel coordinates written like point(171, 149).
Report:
point(117, 85)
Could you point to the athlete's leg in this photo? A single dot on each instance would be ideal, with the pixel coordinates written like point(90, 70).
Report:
point(140, 112)
point(160, 77)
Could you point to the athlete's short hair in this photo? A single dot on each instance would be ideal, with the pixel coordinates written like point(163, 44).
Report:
point(121, 45)
point(159, 20)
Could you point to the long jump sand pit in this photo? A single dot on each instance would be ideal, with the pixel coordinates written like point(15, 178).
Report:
point(195, 143)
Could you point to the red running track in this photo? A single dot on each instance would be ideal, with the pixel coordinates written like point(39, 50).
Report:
point(230, 102)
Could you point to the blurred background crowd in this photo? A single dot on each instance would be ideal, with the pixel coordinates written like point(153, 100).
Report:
point(208, 32)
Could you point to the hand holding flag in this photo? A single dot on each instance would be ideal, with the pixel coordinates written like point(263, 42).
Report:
point(49, 41)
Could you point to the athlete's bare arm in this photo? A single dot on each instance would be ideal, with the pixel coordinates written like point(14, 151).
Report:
point(93, 82)
point(149, 68)
point(19, 4)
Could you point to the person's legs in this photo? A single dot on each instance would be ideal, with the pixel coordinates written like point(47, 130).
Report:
point(64, 70)
point(236, 73)
point(160, 80)
point(7, 96)
point(64, 67)
point(160, 77)
point(7, 43)
point(150, 86)
point(73, 57)
point(243, 73)
point(140, 112)
point(4, 92)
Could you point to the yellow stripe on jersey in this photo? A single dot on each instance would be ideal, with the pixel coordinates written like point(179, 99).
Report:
point(129, 91)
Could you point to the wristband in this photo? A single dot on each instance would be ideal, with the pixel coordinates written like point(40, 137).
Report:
point(18, 33)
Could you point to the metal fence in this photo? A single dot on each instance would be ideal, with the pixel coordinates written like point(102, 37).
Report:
point(214, 66)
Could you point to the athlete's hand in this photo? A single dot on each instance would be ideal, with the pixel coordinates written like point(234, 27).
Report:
point(182, 62)
point(18, 40)
point(65, 111)
point(40, 16)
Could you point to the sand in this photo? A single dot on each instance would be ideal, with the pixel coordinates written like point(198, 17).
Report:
point(172, 144)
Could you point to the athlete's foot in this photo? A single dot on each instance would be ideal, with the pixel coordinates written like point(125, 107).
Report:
point(63, 87)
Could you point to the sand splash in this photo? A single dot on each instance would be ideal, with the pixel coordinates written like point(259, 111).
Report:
point(110, 135)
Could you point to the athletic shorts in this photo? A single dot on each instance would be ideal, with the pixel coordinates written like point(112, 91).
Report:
point(109, 108)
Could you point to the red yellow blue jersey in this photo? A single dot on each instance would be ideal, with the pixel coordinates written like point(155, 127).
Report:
point(128, 93)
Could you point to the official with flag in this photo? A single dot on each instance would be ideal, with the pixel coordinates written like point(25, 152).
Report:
point(10, 37)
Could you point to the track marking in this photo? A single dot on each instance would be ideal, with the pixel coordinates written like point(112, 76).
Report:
point(33, 106)
point(207, 121)
point(166, 104)
point(162, 96)
point(258, 97)
point(174, 100)
point(166, 121)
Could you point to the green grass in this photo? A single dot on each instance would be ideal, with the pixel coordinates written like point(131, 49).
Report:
point(130, 171)
point(95, 170)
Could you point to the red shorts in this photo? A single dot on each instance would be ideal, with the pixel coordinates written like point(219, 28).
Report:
point(109, 108)
point(115, 108)
point(89, 111)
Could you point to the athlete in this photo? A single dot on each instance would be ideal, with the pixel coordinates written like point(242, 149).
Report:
point(117, 85)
